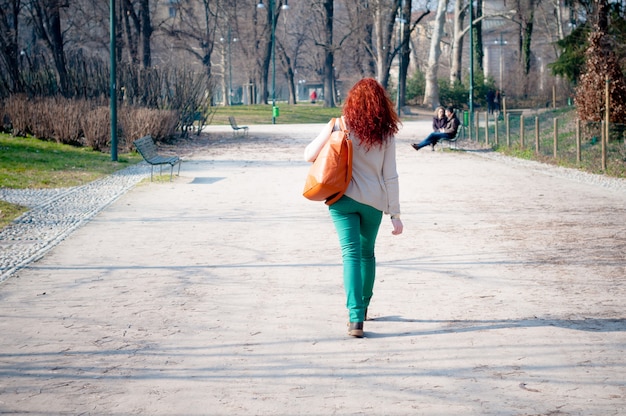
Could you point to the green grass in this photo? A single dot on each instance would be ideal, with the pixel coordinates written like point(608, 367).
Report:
point(262, 114)
point(26, 162)
point(9, 212)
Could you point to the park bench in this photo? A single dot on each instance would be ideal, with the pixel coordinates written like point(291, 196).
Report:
point(148, 150)
point(237, 129)
point(452, 140)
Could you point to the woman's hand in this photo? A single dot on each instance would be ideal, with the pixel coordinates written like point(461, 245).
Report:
point(397, 226)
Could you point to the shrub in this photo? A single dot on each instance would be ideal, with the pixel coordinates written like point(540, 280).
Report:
point(97, 128)
point(139, 122)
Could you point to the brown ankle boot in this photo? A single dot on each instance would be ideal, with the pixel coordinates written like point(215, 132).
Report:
point(355, 329)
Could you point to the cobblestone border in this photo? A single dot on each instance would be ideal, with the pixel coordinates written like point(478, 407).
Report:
point(57, 213)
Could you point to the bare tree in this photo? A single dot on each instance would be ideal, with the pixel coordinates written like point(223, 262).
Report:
point(329, 54)
point(46, 20)
point(431, 93)
point(9, 45)
point(460, 9)
point(525, 16)
point(137, 27)
point(385, 13)
point(194, 29)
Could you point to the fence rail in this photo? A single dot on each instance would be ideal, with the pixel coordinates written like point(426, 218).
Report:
point(554, 135)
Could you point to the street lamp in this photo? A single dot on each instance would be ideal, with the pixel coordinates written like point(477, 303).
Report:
point(285, 6)
point(501, 63)
point(401, 22)
point(112, 82)
point(471, 68)
point(230, 67)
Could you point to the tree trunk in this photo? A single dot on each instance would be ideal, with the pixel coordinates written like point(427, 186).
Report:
point(384, 22)
point(329, 75)
point(47, 20)
point(131, 28)
point(457, 43)
point(405, 52)
point(525, 14)
point(146, 34)
point(9, 45)
point(479, 53)
point(431, 93)
point(288, 72)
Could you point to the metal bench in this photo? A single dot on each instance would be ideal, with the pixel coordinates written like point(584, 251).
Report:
point(460, 134)
point(148, 150)
point(236, 128)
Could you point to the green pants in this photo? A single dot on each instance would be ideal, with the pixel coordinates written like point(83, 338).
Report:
point(357, 227)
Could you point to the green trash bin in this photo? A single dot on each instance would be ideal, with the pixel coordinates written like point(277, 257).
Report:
point(275, 111)
point(466, 118)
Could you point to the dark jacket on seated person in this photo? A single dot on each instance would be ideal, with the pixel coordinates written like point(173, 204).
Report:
point(452, 126)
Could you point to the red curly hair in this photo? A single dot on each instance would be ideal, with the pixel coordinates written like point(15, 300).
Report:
point(369, 113)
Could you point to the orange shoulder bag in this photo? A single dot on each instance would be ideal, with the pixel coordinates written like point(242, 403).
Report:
point(331, 172)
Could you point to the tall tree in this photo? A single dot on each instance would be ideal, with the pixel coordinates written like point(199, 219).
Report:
point(525, 16)
point(46, 19)
point(329, 54)
point(431, 93)
point(194, 29)
point(385, 13)
point(9, 46)
point(137, 27)
point(460, 9)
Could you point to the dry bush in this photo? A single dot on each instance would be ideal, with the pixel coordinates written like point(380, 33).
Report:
point(42, 122)
point(601, 65)
point(96, 126)
point(18, 113)
point(4, 118)
point(82, 122)
point(139, 122)
point(67, 115)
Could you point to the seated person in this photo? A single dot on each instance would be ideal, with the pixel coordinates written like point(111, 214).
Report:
point(447, 132)
point(439, 120)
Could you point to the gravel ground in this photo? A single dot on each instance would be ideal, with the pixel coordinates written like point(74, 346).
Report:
point(55, 214)
point(221, 293)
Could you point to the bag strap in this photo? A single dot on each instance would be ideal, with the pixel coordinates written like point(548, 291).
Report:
point(342, 125)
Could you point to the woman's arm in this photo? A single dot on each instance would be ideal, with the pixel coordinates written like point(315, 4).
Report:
point(313, 149)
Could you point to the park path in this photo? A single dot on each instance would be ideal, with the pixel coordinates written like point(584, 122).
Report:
point(220, 293)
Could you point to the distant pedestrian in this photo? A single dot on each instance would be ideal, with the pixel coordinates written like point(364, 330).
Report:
point(497, 102)
point(491, 95)
point(313, 96)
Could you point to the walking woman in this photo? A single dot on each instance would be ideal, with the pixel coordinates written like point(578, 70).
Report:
point(370, 116)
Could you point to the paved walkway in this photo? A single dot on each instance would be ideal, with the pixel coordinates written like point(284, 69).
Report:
point(220, 293)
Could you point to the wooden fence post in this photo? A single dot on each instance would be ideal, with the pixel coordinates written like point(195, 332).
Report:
point(603, 140)
point(578, 158)
point(486, 127)
point(507, 120)
point(521, 130)
point(537, 134)
point(607, 104)
point(496, 129)
point(556, 137)
point(477, 126)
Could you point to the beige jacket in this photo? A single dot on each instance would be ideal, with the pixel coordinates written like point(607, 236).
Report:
point(374, 174)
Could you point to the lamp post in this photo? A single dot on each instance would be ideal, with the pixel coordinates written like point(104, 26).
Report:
point(112, 82)
point(401, 22)
point(272, 11)
point(501, 63)
point(230, 66)
point(471, 68)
